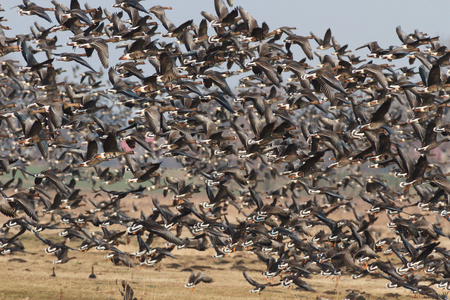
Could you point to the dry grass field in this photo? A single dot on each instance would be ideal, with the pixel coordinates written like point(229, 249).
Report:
point(27, 275)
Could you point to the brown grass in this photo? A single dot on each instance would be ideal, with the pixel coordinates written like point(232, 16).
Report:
point(27, 275)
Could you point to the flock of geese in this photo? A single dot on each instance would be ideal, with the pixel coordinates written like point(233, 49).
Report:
point(294, 149)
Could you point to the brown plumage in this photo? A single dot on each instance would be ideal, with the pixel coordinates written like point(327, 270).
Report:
point(195, 279)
